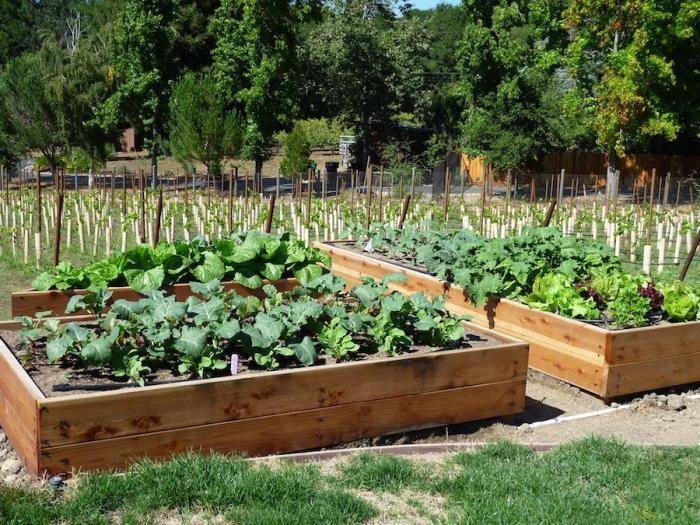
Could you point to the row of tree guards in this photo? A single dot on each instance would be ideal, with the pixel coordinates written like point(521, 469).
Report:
point(372, 185)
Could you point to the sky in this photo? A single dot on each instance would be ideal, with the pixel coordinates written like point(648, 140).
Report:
point(426, 4)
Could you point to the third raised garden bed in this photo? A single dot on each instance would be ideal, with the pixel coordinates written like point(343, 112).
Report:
point(606, 362)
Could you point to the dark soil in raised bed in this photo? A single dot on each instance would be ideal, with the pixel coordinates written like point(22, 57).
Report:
point(63, 379)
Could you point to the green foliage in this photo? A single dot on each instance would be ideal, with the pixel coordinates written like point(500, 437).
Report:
point(297, 149)
point(541, 268)
point(624, 91)
point(629, 309)
point(143, 68)
point(554, 292)
point(201, 128)
point(681, 302)
point(508, 56)
point(198, 336)
point(254, 60)
point(247, 259)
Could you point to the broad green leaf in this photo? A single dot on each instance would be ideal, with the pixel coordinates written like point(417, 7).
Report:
point(306, 274)
point(305, 351)
point(98, 352)
point(192, 341)
point(273, 272)
point(44, 281)
point(142, 281)
point(212, 268)
point(57, 348)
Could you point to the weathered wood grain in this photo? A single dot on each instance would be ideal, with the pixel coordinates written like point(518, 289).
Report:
point(298, 430)
point(96, 416)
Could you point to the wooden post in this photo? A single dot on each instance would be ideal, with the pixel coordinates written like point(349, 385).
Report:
point(124, 191)
point(689, 257)
point(550, 212)
point(159, 213)
point(235, 182)
point(651, 206)
point(38, 200)
point(404, 210)
point(381, 193)
point(446, 203)
point(187, 194)
point(245, 191)
point(142, 208)
point(413, 180)
point(560, 189)
point(483, 199)
point(57, 233)
point(277, 185)
point(369, 195)
point(353, 176)
point(230, 202)
point(667, 185)
point(308, 196)
point(270, 213)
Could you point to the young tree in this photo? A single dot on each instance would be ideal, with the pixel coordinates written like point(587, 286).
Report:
point(625, 75)
point(201, 129)
point(34, 104)
point(254, 64)
point(361, 62)
point(507, 59)
point(143, 69)
point(296, 152)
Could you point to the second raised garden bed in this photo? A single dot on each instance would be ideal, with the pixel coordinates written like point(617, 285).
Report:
point(261, 412)
point(608, 363)
point(30, 302)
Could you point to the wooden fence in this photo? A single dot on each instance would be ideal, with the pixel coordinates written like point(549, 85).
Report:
point(635, 170)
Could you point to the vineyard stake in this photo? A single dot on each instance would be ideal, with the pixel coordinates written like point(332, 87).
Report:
point(381, 193)
point(483, 200)
point(270, 213)
point(124, 191)
point(689, 257)
point(159, 213)
point(413, 180)
point(446, 204)
point(550, 211)
point(651, 206)
point(404, 210)
point(368, 182)
point(142, 207)
point(308, 196)
point(57, 233)
point(230, 202)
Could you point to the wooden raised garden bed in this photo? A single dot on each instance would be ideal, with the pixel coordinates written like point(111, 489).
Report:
point(261, 412)
point(608, 363)
point(30, 302)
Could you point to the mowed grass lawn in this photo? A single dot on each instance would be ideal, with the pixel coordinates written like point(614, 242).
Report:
point(593, 481)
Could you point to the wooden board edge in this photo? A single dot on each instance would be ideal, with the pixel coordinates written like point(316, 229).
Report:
point(298, 430)
point(652, 374)
point(19, 413)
